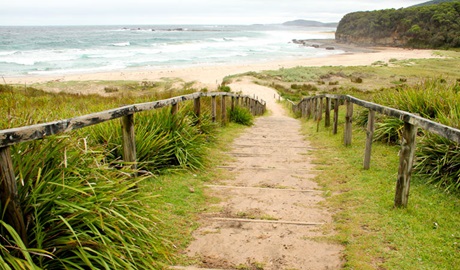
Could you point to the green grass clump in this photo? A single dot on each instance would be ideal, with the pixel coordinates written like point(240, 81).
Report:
point(80, 212)
point(241, 116)
point(163, 140)
point(437, 158)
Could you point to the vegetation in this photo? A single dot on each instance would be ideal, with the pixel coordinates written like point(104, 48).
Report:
point(438, 100)
point(163, 140)
point(428, 26)
point(434, 2)
point(241, 116)
point(84, 209)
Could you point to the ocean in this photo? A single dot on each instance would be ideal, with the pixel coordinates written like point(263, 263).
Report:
point(55, 50)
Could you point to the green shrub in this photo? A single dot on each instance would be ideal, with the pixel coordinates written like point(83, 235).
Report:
point(389, 130)
point(437, 158)
point(163, 140)
point(225, 88)
point(80, 213)
point(241, 116)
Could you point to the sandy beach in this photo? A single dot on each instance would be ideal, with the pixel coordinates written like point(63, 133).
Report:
point(211, 75)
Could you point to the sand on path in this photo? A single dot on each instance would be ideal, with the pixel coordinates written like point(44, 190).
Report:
point(270, 215)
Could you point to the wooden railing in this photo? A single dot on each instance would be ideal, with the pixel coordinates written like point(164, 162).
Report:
point(8, 188)
point(313, 107)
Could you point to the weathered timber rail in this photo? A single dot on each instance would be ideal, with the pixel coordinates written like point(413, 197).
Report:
point(313, 107)
point(8, 187)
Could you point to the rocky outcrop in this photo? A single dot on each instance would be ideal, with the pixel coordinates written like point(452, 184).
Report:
point(394, 40)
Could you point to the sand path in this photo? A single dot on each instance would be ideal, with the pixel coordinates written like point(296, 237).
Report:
point(270, 215)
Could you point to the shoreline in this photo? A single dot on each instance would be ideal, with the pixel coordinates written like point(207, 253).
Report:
point(211, 75)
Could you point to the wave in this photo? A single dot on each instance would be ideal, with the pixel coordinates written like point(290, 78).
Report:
point(76, 70)
point(99, 48)
point(121, 44)
point(4, 53)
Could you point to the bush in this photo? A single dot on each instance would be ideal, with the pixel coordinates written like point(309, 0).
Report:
point(80, 213)
point(225, 88)
point(437, 157)
point(241, 116)
point(163, 140)
point(356, 80)
point(438, 160)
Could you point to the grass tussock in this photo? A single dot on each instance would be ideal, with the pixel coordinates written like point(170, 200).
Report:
point(241, 116)
point(163, 140)
point(437, 158)
point(80, 212)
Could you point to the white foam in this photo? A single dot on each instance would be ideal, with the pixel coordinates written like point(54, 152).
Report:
point(122, 44)
point(114, 49)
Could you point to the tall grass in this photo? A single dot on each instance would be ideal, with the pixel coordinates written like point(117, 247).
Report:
point(438, 100)
point(241, 115)
point(80, 212)
point(163, 140)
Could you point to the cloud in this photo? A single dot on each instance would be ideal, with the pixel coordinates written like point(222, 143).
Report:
point(181, 11)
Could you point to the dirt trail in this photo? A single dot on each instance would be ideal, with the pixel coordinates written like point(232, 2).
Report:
point(270, 216)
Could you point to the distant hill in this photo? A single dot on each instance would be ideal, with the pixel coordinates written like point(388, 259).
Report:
point(434, 2)
point(307, 23)
point(426, 26)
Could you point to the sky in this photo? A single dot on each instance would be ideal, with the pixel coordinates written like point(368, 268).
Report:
point(135, 12)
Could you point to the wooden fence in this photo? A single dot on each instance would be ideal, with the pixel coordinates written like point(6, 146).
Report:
point(313, 107)
point(8, 188)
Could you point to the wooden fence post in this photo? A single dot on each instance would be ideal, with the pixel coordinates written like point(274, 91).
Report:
point(213, 109)
point(129, 140)
point(233, 103)
point(406, 160)
point(223, 111)
point(369, 138)
point(308, 108)
point(315, 109)
point(320, 113)
point(197, 107)
point(303, 108)
point(174, 108)
point(327, 116)
point(9, 195)
point(336, 116)
point(348, 123)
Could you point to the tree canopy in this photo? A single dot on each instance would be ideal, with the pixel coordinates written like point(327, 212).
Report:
point(431, 26)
